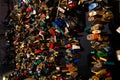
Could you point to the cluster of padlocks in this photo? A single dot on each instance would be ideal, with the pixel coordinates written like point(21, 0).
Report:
point(45, 39)
point(99, 15)
point(45, 43)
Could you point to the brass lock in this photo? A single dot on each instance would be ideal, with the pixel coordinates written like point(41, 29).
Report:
point(97, 27)
point(107, 16)
point(95, 78)
point(100, 15)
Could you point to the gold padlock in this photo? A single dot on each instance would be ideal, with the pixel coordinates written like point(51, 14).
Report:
point(95, 78)
point(108, 16)
point(97, 27)
point(101, 73)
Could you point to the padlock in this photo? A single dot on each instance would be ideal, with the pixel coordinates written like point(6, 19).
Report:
point(118, 30)
point(103, 59)
point(94, 57)
point(91, 18)
point(98, 64)
point(95, 69)
point(92, 13)
point(93, 36)
point(118, 54)
point(95, 78)
point(93, 52)
point(37, 51)
point(76, 61)
point(92, 6)
point(75, 47)
point(71, 4)
point(51, 59)
point(100, 16)
point(100, 73)
point(54, 77)
point(108, 16)
point(95, 45)
point(101, 54)
point(97, 27)
point(29, 9)
point(89, 37)
point(61, 9)
point(68, 45)
point(59, 22)
point(104, 47)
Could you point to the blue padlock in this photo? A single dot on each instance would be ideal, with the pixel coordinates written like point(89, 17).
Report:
point(73, 51)
point(59, 22)
point(76, 61)
point(92, 6)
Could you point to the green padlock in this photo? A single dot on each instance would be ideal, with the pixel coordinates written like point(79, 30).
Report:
point(92, 52)
point(101, 54)
point(38, 61)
